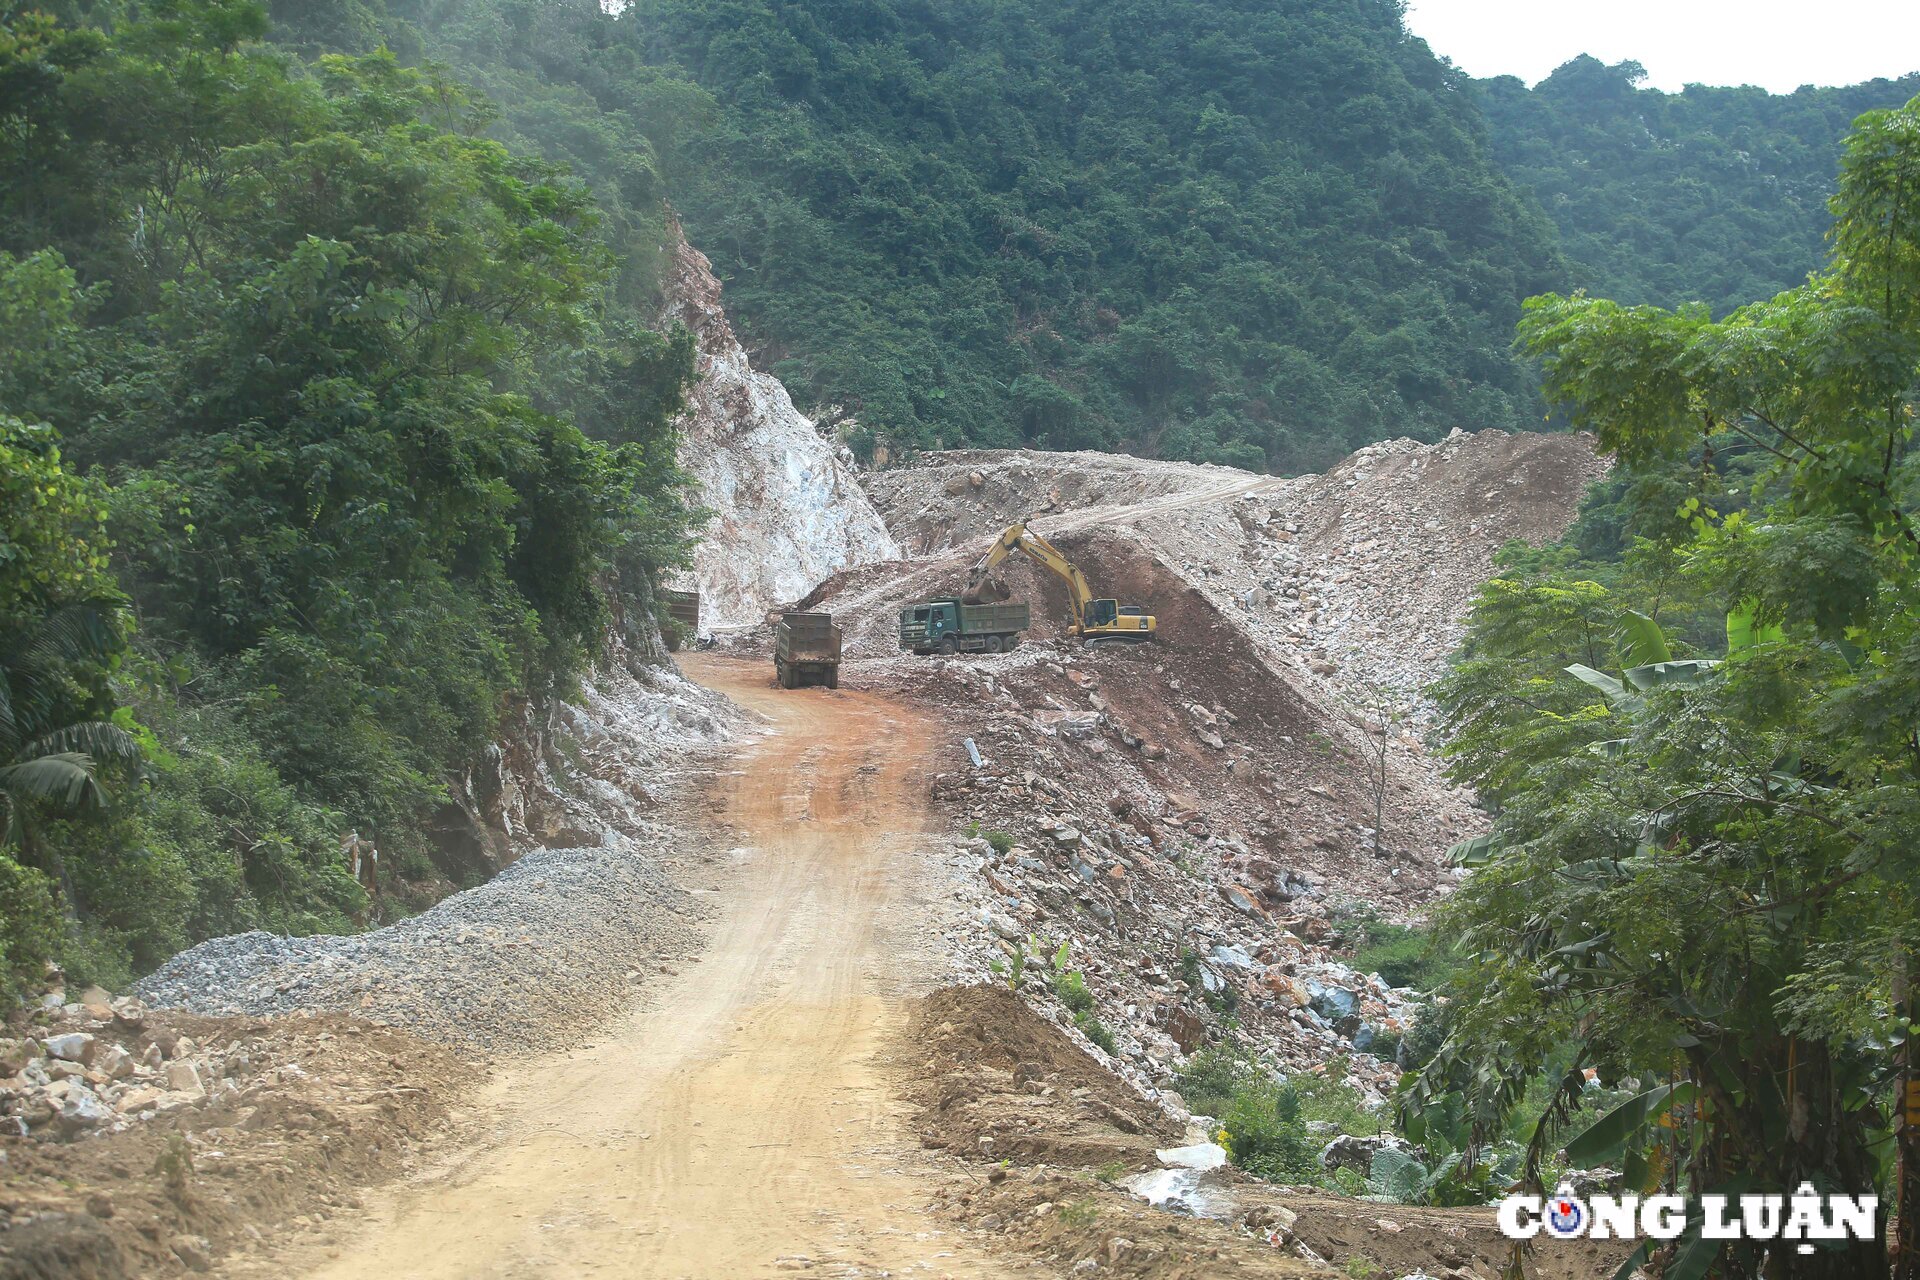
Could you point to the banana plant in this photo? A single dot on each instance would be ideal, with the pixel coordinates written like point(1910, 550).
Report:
point(45, 763)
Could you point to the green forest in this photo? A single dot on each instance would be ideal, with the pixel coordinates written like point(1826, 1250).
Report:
point(1697, 721)
point(1714, 195)
point(326, 420)
point(1253, 233)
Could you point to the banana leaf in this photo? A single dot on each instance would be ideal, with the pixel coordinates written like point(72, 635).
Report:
point(1599, 1140)
point(1642, 642)
point(1635, 1260)
point(1476, 852)
point(1743, 635)
point(1684, 671)
point(1611, 688)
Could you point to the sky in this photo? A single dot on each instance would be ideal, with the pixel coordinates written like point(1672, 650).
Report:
point(1777, 44)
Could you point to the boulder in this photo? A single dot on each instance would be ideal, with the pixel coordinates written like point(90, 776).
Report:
point(1230, 957)
point(1239, 899)
point(71, 1046)
point(1349, 1152)
point(194, 1252)
point(115, 1062)
point(1334, 1003)
point(82, 1109)
point(184, 1077)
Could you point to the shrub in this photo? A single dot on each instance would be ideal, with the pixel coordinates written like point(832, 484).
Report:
point(1097, 1032)
point(1402, 957)
point(29, 928)
point(1071, 987)
point(1264, 1122)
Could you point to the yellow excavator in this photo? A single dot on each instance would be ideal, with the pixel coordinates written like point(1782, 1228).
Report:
point(1094, 620)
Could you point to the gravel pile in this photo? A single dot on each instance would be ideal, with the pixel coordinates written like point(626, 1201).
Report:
point(551, 942)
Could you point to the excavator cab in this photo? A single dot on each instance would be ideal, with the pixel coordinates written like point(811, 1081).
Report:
point(1113, 621)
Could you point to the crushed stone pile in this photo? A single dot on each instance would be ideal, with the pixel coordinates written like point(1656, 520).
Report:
point(947, 499)
point(140, 1141)
point(1195, 860)
point(551, 942)
point(1358, 579)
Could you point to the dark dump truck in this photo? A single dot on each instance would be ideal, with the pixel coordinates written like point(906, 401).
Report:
point(683, 618)
point(806, 650)
point(951, 626)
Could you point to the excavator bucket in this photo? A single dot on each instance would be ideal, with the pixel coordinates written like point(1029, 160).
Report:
point(986, 590)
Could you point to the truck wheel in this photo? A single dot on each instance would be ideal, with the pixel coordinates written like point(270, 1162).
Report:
point(786, 676)
point(833, 678)
point(1013, 642)
point(995, 644)
point(949, 646)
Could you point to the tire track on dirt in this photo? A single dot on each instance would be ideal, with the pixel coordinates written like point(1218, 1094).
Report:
point(743, 1125)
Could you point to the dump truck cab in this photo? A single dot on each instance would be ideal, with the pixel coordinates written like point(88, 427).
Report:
point(924, 624)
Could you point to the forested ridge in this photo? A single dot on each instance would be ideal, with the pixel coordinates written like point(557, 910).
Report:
point(1715, 195)
point(1259, 233)
point(1244, 232)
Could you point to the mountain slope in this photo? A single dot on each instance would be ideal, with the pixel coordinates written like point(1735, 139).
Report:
point(1715, 195)
point(1239, 232)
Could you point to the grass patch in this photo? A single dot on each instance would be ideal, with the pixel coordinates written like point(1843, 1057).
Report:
point(1264, 1123)
point(1081, 1213)
point(1403, 957)
point(999, 841)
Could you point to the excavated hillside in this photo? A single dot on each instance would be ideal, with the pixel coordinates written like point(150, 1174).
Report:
point(1195, 818)
point(787, 507)
point(1366, 570)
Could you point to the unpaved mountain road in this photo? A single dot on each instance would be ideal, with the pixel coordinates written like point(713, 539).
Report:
point(742, 1123)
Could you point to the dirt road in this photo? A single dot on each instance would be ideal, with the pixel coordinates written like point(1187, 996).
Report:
point(742, 1124)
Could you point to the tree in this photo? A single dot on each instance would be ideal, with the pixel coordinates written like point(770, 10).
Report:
point(1704, 877)
point(373, 411)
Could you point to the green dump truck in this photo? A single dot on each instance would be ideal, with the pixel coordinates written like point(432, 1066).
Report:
point(806, 650)
point(949, 626)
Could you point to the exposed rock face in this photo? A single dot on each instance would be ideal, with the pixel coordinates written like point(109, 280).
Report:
point(788, 508)
point(578, 773)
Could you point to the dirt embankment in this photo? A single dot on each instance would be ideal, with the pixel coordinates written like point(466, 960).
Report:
point(278, 1124)
point(943, 500)
point(1359, 578)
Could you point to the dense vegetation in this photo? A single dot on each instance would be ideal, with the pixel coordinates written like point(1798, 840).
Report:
point(1254, 232)
point(324, 418)
point(1698, 721)
point(1258, 233)
point(1715, 195)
